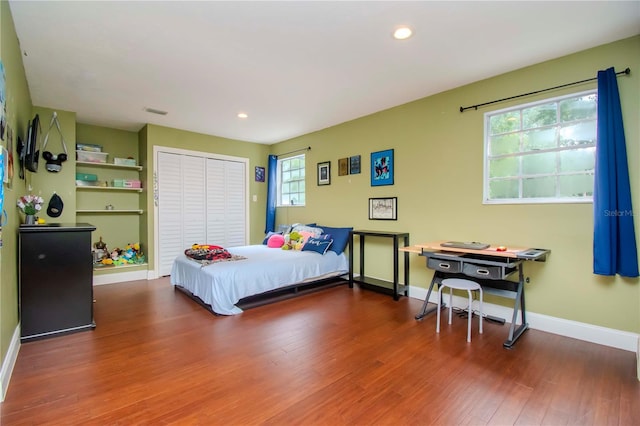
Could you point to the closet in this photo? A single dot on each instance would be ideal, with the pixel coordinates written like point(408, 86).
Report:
point(201, 199)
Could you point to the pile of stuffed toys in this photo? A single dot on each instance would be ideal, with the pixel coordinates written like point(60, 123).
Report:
point(131, 254)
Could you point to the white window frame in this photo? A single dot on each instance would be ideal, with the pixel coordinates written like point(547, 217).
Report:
point(280, 181)
point(486, 158)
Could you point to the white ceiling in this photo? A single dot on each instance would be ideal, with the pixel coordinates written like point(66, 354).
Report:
point(294, 67)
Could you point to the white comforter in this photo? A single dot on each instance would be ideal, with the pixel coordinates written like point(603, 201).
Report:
point(223, 284)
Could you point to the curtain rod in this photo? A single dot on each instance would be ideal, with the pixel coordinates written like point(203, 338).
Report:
point(463, 109)
point(295, 150)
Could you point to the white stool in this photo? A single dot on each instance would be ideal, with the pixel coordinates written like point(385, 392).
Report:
point(459, 284)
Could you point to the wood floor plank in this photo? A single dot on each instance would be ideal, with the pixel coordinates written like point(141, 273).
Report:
point(339, 356)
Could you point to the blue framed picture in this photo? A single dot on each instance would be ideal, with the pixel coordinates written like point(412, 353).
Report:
point(382, 168)
point(260, 174)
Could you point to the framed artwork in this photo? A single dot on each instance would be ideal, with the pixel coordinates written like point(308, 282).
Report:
point(343, 167)
point(382, 168)
point(354, 165)
point(324, 173)
point(259, 174)
point(8, 176)
point(5, 165)
point(383, 208)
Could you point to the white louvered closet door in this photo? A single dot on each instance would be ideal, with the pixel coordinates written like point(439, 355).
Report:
point(181, 206)
point(226, 202)
point(200, 200)
point(236, 203)
point(194, 202)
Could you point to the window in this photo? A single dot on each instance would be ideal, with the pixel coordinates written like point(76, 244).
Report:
point(543, 152)
point(291, 181)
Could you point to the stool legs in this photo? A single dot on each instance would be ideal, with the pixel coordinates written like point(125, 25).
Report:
point(451, 309)
point(481, 316)
point(469, 316)
point(438, 309)
point(450, 303)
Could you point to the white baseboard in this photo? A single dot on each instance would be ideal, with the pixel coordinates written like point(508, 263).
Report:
point(119, 277)
point(9, 362)
point(574, 329)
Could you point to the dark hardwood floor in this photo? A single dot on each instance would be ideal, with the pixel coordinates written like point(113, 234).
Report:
point(339, 356)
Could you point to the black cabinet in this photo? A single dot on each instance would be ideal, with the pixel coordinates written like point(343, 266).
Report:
point(56, 279)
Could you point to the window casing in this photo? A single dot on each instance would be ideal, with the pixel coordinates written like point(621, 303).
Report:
point(541, 152)
point(291, 181)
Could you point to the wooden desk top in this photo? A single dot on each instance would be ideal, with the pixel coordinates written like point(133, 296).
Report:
point(492, 250)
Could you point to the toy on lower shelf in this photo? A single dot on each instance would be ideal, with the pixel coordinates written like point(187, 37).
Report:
point(130, 255)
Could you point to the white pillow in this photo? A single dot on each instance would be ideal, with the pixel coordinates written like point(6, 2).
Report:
point(298, 227)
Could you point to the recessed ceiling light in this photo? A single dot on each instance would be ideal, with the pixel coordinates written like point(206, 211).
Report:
point(402, 33)
point(242, 115)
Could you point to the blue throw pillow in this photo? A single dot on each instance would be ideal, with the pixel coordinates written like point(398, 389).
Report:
point(340, 237)
point(317, 244)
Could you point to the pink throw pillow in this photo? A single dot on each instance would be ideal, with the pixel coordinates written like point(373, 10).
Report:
point(305, 235)
point(275, 241)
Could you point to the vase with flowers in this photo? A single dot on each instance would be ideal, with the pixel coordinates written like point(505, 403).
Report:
point(30, 205)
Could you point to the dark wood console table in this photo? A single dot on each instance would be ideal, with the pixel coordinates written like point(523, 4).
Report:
point(394, 288)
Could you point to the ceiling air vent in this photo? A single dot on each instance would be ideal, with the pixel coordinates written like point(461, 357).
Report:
point(156, 111)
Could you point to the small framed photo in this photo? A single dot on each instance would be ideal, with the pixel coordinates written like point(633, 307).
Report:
point(259, 174)
point(354, 165)
point(382, 168)
point(324, 173)
point(383, 208)
point(343, 167)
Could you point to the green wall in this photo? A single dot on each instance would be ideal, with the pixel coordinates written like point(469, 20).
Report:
point(19, 112)
point(439, 177)
point(167, 137)
point(45, 183)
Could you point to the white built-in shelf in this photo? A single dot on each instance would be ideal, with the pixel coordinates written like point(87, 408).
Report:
point(120, 211)
point(108, 188)
point(108, 165)
point(100, 267)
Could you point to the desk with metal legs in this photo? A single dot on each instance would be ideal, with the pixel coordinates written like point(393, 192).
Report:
point(490, 268)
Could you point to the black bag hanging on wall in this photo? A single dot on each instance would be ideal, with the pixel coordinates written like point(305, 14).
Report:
point(31, 150)
point(54, 161)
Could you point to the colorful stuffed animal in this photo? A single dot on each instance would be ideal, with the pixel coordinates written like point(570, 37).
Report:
point(293, 241)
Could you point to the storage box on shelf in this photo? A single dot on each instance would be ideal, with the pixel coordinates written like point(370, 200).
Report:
point(88, 147)
point(124, 161)
point(126, 183)
point(90, 177)
point(91, 156)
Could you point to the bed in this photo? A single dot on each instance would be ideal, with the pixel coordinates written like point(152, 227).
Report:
point(260, 270)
